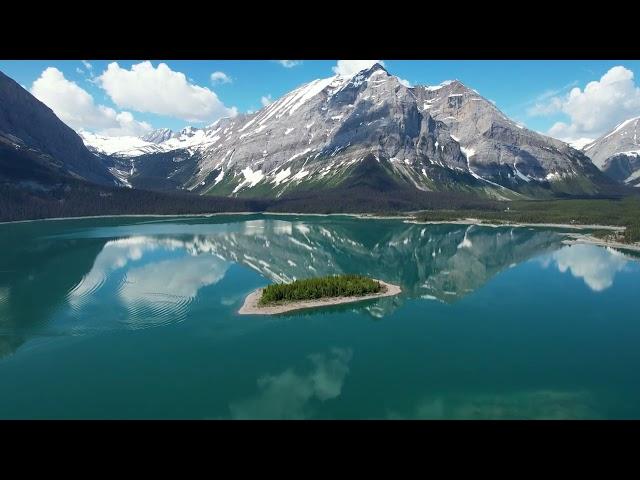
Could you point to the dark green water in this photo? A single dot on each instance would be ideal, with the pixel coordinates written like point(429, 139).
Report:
point(136, 318)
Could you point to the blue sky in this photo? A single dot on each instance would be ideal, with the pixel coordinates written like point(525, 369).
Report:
point(534, 93)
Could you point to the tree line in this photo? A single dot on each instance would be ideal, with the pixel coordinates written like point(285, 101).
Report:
point(320, 287)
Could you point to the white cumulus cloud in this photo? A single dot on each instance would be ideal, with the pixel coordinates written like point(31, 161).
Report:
point(76, 107)
point(347, 68)
point(220, 77)
point(597, 108)
point(266, 100)
point(162, 91)
point(548, 106)
point(289, 63)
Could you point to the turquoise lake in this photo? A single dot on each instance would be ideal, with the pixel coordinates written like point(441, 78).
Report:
point(137, 318)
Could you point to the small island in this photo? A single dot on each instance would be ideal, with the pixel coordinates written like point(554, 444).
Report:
point(315, 292)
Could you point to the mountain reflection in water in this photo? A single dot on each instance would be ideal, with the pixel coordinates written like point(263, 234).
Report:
point(161, 275)
point(151, 272)
point(137, 318)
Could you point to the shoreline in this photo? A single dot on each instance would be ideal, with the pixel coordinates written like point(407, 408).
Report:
point(580, 238)
point(478, 222)
point(250, 305)
point(188, 215)
point(363, 216)
point(131, 215)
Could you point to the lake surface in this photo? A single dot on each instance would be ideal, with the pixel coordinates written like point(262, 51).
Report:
point(136, 318)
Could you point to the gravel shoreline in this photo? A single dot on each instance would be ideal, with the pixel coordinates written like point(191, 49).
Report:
point(575, 238)
point(363, 216)
point(478, 222)
point(250, 306)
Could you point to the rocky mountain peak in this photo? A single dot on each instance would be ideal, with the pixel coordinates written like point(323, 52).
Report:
point(188, 131)
point(158, 135)
point(375, 68)
point(617, 153)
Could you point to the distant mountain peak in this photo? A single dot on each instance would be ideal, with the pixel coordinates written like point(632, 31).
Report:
point(188, 131)
point(158, 135)
point(617, 153)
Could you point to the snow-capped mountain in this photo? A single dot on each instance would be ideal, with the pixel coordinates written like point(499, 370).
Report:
point(369, 125)
point(125, 146)
point(617, 153)
point(191, 138)
point(158, 136)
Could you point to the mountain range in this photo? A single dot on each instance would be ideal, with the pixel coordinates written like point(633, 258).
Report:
point(430, 138)
point(367, 134)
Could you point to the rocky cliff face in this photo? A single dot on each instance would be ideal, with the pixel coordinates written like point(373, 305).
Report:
point(501, 151)
point(428, 138)
point(32, 130)
point(617, 153)
point(316, 135)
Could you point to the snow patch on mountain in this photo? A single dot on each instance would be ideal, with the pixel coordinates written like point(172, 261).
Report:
point(621, 126)
point(281, 176)
point(251, 179)
point(112, 145)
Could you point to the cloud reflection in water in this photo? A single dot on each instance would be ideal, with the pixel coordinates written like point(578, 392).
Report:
point(152, 288)
point(595, 265)
point(287, 395)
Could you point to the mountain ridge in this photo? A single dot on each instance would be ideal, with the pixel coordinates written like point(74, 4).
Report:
point(433, 138)
point(617, 152)
point(36, 134)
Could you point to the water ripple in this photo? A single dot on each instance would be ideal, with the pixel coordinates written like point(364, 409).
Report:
point(80, 295)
